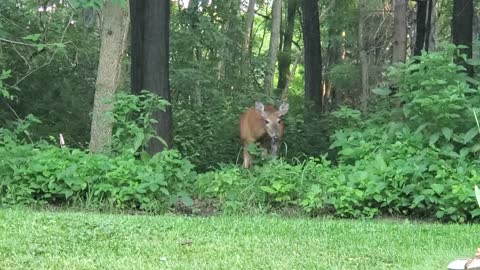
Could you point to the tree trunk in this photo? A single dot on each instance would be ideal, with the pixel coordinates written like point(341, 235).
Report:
point(363, 56)
point(285, 58)
point(150, 60)
point(248, 26)
point(421, 27)
point(432, 37)
point(225, 54)
point(428, 26)
point(137, 15)
point(312, 55)
point(89, 17)
point(462, 26)
point(274, 45)
point(399, 31)
point(291, 75)
point(246, 49)
point(113, 45)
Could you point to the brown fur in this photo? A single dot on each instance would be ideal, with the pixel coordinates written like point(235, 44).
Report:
point(253, 129)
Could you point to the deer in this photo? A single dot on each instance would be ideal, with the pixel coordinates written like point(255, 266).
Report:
point(262, 123)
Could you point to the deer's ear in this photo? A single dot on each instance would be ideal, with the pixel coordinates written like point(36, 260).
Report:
point(260, 108)
point(283, 109)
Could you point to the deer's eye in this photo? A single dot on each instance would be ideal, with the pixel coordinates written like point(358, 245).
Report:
point(267, 122)
point(279, 120)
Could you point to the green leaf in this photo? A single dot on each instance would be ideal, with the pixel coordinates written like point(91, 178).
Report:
point(381, 91)
point(40, 47)
point(447, 132)
point(475, 213)
point(347, 151)
point(186, 200)
point(439, 214)
point(418, 199)
point(164, 191)
point(477, 195)
point(154, 187)
point(68, 193)
point(470, 135)
point(438, 188)
point(269, 190)
point(434, 138)
point(138, 141)
point(380, 163)
point(32, 37)
point(422, 127)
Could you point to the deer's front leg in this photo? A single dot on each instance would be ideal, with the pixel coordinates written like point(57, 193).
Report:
point(247, 159)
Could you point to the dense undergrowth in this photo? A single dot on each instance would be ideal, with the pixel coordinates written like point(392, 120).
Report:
point(419, 159)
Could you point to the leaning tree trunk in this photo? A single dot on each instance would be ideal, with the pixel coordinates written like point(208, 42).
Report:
point(462, 26)
point(285, 58)
point(274, 45)
point(399, 31)
point(363, 56)
point(312, 55)
point(113, 44)
point(150, 60)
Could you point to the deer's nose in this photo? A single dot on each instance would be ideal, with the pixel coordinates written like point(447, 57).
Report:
point(276, 138)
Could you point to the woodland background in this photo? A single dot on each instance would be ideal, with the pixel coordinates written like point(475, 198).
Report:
point(383, 98)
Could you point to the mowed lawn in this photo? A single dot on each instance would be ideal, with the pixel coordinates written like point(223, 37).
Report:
point(74, 240)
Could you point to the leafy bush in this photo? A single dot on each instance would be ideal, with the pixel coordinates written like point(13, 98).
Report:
point(385, 167)
point(133, 121)
point(44, 173)
point(39, 172)
point(438, 99)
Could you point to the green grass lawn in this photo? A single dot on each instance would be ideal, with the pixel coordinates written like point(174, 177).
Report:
point(73, 240)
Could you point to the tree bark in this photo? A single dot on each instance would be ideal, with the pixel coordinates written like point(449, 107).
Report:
point(274, 45)
point(428, 26)
point(113, 45)
point(432, 37)
point(285, 58)
point(462, 26)
point(312, 55)
point(150, 61)
point(363, 56)
point(399, 31)
point(291, 75)
point(248, 26)
point(421, 27)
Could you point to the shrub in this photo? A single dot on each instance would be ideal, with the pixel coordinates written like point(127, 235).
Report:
point(39, 172)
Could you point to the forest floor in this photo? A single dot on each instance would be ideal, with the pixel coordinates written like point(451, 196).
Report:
point(40, 239)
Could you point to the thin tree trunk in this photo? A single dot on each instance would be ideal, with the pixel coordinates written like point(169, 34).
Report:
point(291, 75)
point(246, 49)
point(249, 26)
point(421, 27)
point(428, 26)
point(274, 45)
point(114, 32)
point(150, 61)
point(260, 47)
point(225, 54)
point(399, 31)
point(462, 26)
point(432, 37)
point(363, 56)
point(285, 58)
point(312, 55)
